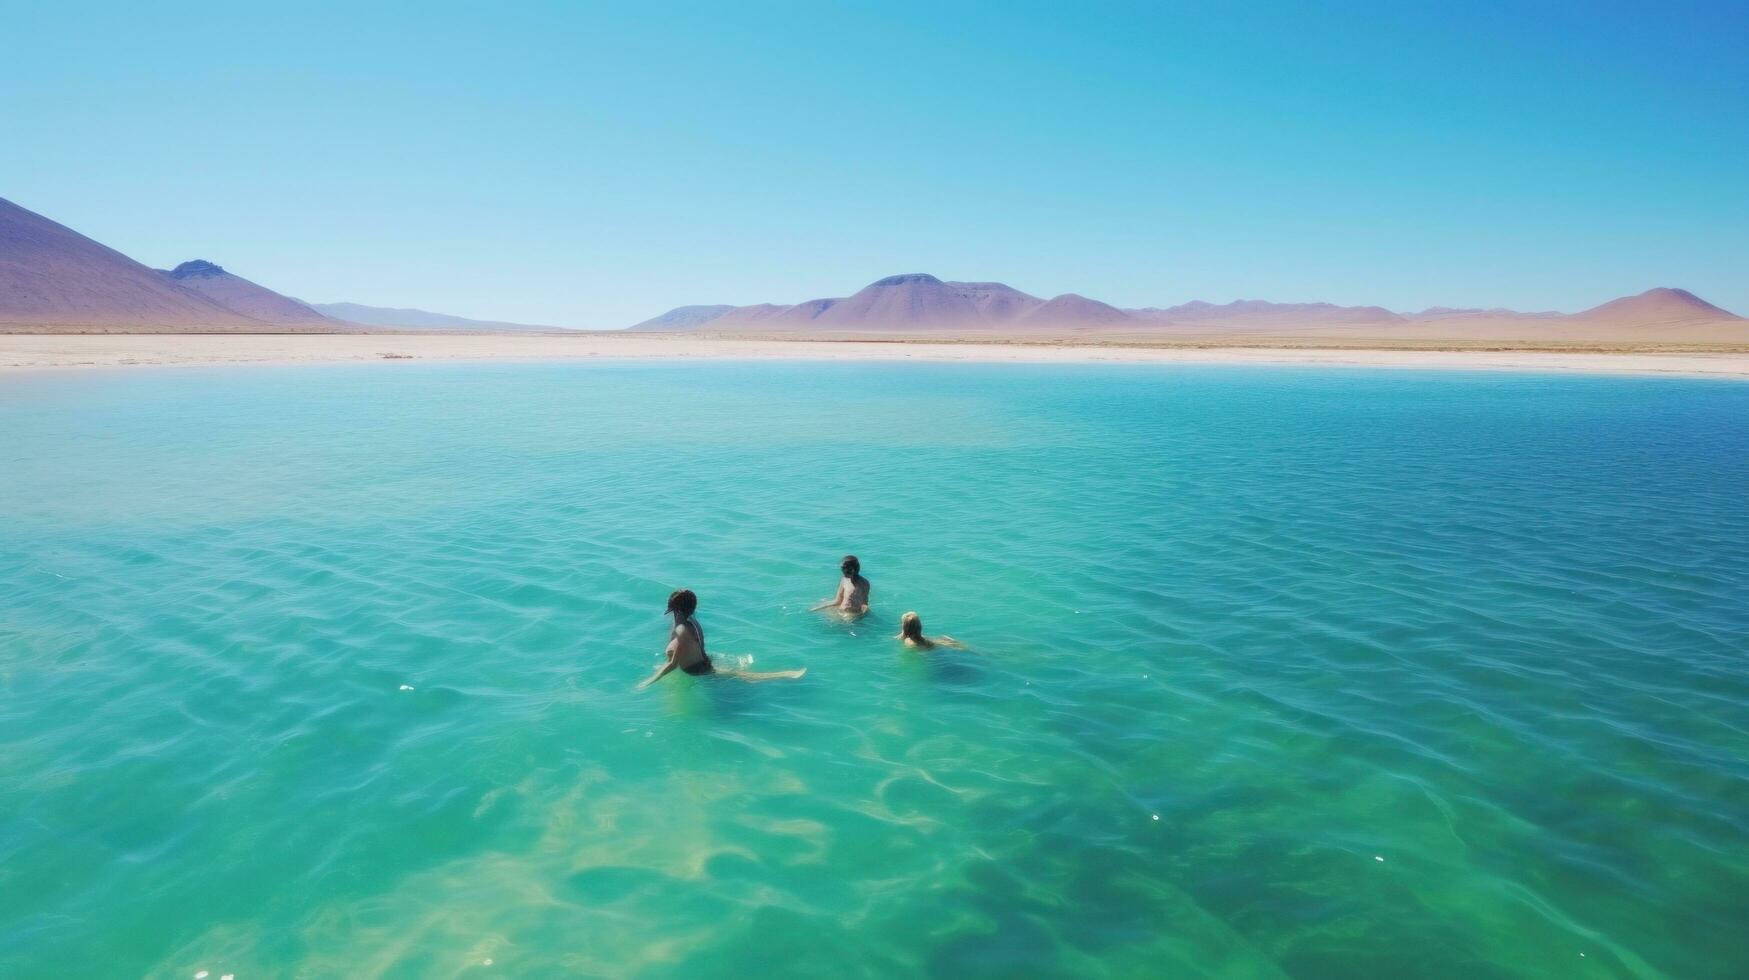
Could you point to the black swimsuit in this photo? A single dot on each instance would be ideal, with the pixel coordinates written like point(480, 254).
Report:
point(704, 665)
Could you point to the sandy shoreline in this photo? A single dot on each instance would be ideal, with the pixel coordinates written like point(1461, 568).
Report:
point(51, 352)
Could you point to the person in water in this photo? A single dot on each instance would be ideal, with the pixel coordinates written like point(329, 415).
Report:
point(911, 632)
point(852, 596)
point(686, 648)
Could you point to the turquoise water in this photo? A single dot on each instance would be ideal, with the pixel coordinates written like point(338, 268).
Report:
point(1237, 635)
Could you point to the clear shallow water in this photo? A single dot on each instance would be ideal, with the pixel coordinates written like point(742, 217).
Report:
point(1490, 628)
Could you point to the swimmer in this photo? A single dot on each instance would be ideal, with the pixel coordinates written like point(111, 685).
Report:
point(911, 631)
point(686, 648)
point(851, 599)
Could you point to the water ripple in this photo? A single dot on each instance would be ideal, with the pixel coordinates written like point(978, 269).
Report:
point(1272, 672)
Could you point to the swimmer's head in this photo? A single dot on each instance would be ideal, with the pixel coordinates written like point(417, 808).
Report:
point(850, 566)
point(910, 626)
point(682, 601)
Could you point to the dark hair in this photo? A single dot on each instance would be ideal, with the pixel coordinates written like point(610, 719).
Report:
point(850, 566)
point(683, 602)
point(911, 626)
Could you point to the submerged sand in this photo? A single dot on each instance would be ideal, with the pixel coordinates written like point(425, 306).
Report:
point(26, 352)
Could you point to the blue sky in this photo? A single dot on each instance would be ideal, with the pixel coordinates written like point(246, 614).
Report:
point(594, 164)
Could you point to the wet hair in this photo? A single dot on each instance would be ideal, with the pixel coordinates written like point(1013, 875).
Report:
point(850, 566)
point(683, 602)
point(910, 626)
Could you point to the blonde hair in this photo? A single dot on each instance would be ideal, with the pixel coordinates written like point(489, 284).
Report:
point(911, 626)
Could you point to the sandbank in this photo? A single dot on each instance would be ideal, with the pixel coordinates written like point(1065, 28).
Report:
point(54, 352)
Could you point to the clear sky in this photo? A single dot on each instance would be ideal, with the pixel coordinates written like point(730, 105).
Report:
point(594, 164)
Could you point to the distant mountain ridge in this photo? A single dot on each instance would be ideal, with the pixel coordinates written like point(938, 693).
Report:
point(53, 279)
point(684, 317)
point(921, 302)
point(1198, 311)
point(411, 319)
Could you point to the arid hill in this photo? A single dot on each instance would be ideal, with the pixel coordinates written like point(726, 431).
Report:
point(51, 276)
point(1072, 312)
point(684, 317)
point(54, 279)
point(239, 295)
point(1658, 306)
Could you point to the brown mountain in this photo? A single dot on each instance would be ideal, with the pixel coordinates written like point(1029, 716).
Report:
point(1072, 312)
point(1658, 306)
point(239, 295)
point(996, 301)
point(54, 279)
point(913, 301)
point(906, 302)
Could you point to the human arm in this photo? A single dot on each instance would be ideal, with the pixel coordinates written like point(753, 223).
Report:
point(837, 599)
point(661, 672)
point(667, 665)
